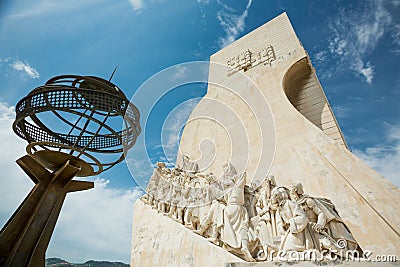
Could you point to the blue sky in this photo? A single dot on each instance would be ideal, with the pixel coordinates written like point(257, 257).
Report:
point(354, 46)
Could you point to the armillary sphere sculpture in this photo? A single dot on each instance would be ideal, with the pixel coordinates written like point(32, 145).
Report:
point(71, 125)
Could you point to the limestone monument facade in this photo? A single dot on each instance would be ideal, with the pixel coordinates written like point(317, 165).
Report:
point(264, 171)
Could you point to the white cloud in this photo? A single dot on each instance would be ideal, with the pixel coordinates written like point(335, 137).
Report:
point(320, 56)
point(25, 68)
point(396, 2)
point(54, 7)
point(340, 112)
point(46, 7)
point(4, 59)
point(355, 35)
point(14, 183)
point(136, 4)
point(385, 158)
point(93, 224)
point(233, 24)
point(180, 72)
point(364, 69)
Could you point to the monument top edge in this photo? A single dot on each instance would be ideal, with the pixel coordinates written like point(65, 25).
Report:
point(266, 27)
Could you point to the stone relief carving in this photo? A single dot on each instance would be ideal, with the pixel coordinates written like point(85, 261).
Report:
point(324, 219)
point(254, 223)
point(248, 59)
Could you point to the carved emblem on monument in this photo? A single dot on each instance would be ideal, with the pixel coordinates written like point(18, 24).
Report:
point(248, 59)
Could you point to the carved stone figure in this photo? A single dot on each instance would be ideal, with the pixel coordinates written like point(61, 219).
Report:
point(250, 200)
point(162, 169)
point(176, 196)
point(324, 218)
point(215, 193)
point(189, 166)
point(162, 195)
point(151, 189)
point(235, 230)
point(266, 226)
point(192, 212)
point(292, 223)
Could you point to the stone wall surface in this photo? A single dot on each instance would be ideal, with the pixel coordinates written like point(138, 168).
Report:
point(157, 240)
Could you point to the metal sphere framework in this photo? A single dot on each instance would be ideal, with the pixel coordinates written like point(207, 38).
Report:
point(77, 118)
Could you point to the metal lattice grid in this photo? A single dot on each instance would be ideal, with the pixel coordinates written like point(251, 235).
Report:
point(78, 115)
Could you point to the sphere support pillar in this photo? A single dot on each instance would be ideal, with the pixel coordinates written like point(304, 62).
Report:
point(26, 236)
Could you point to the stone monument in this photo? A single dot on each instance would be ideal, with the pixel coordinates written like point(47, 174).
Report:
point(243, 197)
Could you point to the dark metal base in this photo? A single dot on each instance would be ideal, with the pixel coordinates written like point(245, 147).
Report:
point(26, 236)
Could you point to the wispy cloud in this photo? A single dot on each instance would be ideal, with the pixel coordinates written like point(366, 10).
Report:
point(340, 112)
point(140, 169)
point(355, 35)
point(232, 23)
point(94, 224)
point(179, 73)
point(395, 33)
point(11, 66)
point(54, 7)
point(385, 158)
point(136, 4)
point(46, 7)
point(25, 68)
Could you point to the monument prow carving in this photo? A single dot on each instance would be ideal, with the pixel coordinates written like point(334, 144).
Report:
point(270, 118)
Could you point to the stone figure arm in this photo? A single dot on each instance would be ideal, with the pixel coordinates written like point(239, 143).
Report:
point(219, 194)
point(299, 220)
point(259, 207)
point(185, 190)
point(173, 191)
point(262, 206)
point(240, 182)
point(280, 224)
point(265, 201)
point(321, 221)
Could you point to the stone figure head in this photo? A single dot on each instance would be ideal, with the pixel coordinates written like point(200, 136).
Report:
point(176, 171)
point(160, 165)
point(296, 190)
point(279, 195)
point(210, 178)
point(228, 182)
point(271, 180)
point(229, 170)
